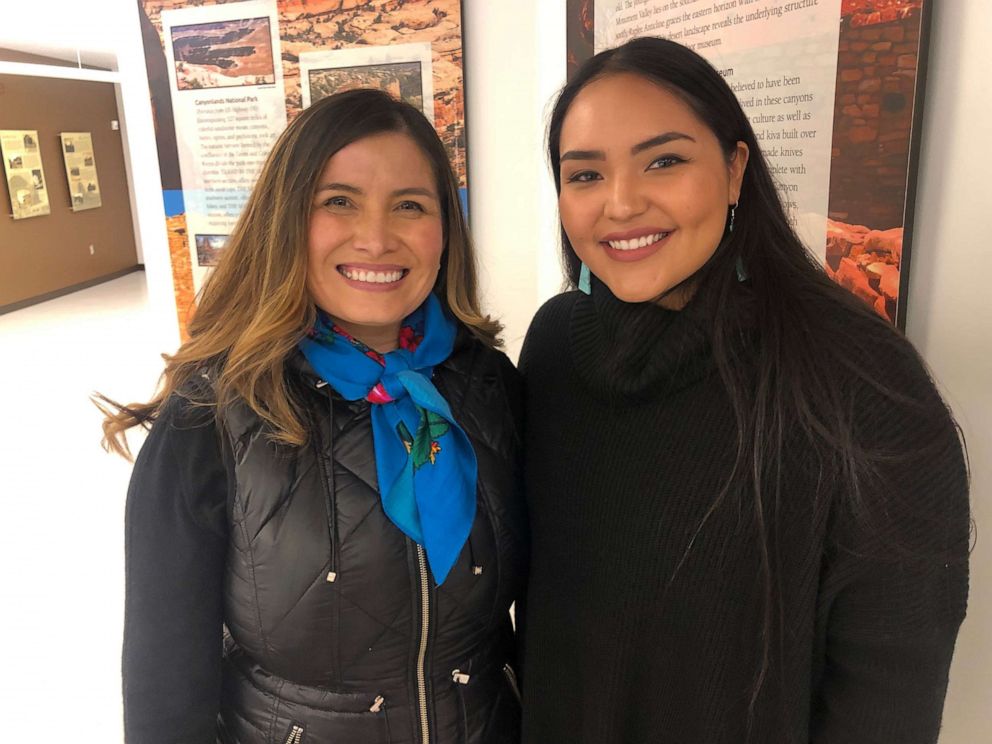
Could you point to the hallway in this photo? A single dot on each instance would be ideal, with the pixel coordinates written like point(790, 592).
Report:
point(61, 546)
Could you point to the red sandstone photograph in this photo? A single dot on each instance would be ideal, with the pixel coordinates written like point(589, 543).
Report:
point(224, 54)
point(870, 169)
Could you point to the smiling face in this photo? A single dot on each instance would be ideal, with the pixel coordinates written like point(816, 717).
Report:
point(376, 236)
point(645, 187)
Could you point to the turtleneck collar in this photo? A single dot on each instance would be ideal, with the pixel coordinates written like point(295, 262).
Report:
point(627, 353)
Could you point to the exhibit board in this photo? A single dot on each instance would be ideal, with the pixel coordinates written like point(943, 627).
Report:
point(833, 91)
point(25, 173)
point(226, 77)
point(80, 170)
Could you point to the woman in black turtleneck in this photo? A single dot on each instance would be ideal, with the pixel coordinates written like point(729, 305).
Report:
point(749, 504)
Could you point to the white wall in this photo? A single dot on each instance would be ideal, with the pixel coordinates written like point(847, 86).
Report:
point(950, 319)
point(514, 63)
point(139, 134)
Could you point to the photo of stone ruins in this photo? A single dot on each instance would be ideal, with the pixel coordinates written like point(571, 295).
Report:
point(875, 101)
point(400, 79)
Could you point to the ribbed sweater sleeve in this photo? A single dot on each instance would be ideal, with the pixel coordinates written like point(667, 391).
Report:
point(895, 589)
point(175, 545)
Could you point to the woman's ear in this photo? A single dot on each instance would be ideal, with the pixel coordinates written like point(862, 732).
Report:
point(737, 165)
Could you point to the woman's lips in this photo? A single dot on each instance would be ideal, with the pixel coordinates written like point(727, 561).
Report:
point(372, 278)
point(634, 245)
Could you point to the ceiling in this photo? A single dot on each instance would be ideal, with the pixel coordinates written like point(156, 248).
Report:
point(61, 28)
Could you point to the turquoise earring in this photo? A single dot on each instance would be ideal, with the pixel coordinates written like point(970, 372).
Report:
point(739, 265)
point(741, 271)
point(585, 279)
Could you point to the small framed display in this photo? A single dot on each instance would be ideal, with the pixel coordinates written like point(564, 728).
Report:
point(80, 170)
point(25, 174)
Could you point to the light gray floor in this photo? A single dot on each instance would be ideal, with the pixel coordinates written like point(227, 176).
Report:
point(62, 505)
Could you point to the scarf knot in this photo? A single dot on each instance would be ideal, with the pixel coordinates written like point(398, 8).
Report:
point(425, 463)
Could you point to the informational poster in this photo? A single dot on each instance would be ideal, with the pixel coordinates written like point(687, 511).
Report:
point(403, 70)
point(80, 170)
point(831, 88)
point(225, 77)
point(25, 174)
point(229, 106)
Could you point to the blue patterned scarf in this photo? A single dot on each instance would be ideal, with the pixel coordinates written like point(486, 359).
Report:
point(424, 461)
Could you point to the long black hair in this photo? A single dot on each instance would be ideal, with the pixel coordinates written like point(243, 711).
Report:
point(781, 340)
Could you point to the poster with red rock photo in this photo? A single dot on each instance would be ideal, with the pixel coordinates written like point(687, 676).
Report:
point(225, 77)
point(833, 89)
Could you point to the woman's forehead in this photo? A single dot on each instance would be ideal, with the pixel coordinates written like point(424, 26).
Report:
point(624, 108)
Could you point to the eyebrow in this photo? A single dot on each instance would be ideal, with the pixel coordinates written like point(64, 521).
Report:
point(348, 188)
point(661, 139)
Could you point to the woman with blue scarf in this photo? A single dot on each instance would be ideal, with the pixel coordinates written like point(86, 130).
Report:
point(324, 531)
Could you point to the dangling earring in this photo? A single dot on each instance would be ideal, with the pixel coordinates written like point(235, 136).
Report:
point(585, 279)
point(739, 264)
point(741, 271)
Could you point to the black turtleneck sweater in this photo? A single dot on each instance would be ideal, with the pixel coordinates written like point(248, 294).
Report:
point(646, 612)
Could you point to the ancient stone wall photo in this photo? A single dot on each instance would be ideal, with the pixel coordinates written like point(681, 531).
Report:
point(875, 100)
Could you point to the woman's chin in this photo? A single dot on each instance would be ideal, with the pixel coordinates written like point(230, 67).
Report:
point(638, 291)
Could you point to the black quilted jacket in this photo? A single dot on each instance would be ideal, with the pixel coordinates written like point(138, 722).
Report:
point(334, 630)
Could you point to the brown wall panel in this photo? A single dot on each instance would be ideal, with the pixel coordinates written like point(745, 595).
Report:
point(40, 255)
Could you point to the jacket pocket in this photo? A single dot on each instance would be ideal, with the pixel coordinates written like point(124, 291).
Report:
point(488, 706)
point(461, 679)
point(313, 726)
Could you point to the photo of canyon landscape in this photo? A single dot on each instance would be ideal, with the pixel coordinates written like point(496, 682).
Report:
point(224, 54)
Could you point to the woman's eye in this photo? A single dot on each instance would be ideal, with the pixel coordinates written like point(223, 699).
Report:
point(410, 206)
point(337, 201)
point(583, 177)
point(665, 161)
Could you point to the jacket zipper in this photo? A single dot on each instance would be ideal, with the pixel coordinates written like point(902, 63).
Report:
point(295, 735)
point(422, 655)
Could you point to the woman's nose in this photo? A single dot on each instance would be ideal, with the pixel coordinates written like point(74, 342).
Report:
point(372, 235)
point(624, 199)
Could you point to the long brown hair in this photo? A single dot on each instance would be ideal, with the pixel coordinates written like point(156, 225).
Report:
point(255, 307)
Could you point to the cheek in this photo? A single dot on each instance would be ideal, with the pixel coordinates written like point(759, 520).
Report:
point(575, 220)
point(320, 235)
point(430, 244)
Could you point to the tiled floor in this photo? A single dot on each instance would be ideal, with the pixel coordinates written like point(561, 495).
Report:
point(62, 505)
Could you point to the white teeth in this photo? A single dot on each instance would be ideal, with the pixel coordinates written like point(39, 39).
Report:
point(634, 243)
point(372, 277)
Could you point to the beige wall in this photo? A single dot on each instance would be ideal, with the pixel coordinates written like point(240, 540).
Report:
point(45, 254)
point(950, 318)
